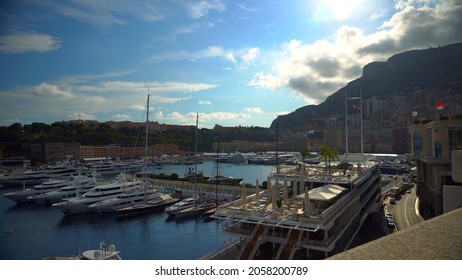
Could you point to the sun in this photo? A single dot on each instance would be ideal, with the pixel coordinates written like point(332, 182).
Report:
point(340, 9)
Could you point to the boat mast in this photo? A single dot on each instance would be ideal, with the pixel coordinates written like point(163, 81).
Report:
point(216, 181)
point(195, 161)
point(146, 149)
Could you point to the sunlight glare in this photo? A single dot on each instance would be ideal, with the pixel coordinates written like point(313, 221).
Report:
point(341, 9)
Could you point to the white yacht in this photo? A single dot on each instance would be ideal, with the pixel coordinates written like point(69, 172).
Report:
point(82, 204)
point(130, 197)
point(34, 177)
point(180, 205)
point(111, 167)
point(78, 187)
point(45, 187)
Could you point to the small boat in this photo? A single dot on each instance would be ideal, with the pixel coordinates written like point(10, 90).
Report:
point(180, 205)
point(9, 230)
point(105, 252)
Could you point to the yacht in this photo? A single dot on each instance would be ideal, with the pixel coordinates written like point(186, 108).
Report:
point(154, 204)
point(34, 177)
point(111, 167)
point(130, 197)
point(45, 187)
point(104, 252)
point(180, 205)
point(306, 214)
point(393, 168)
point(82, 204)
point(194, 211)
point(78, 187)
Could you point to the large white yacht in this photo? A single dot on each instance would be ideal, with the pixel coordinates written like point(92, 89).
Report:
point(112, 167)
point(77, 187)
point(132, 196)
point(82, 204)
point(33, 177)
point(312, 213)
point(45, 187)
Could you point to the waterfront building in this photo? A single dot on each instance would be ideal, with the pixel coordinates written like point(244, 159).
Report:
point(311, 213)
point(434, 145)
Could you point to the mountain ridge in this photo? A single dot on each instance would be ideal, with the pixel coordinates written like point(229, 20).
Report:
point(402, 73)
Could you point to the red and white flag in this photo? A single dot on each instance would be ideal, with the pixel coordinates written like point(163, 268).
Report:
point(440, 106)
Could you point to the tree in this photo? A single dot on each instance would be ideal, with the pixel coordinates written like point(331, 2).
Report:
point(304, 152)
point(328, 154)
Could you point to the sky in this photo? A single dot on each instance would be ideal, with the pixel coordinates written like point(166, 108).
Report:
point(234, 63)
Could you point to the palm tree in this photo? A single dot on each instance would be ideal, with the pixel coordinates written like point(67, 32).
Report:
point(304, 152)
point(328, 154)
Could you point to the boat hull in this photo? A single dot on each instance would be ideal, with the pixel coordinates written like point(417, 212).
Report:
point(143, 209)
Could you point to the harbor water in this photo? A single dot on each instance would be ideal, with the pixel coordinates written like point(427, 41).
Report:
point(40, 231)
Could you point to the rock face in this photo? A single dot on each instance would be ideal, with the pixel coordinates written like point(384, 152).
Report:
point(434, 68)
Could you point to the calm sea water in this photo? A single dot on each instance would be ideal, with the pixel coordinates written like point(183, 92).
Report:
point(42, 231)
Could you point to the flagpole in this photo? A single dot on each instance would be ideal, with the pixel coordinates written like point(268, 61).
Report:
point(361, 112)
point(346, 124)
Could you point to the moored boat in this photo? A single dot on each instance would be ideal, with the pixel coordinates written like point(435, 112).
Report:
point(45, 187)
point(154, 204)
point(185, 203)
point(82, 204)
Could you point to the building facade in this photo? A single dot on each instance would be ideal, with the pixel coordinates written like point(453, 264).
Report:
point(432, 146)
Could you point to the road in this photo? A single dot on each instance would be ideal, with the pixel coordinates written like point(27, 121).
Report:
point(405, 211)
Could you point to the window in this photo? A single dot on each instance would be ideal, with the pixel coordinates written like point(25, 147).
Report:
point(417, 143)
point(438, 149)
point(429, 141)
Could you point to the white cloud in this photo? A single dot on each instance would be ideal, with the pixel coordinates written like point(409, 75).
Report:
point(190, 118)
point(105, 13)
point(251, 55)
point(231, 58)
point(49, 90)
point(201, 8)
point(121, 117)
point(242, 58)
point(28, 42)
point(204, 102)
point(253, 110)
point(314, 71)
point(142, 87)
point(281, 113)
point(80, 116)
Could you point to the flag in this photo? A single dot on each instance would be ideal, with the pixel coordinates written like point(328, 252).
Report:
point(414, 113)
point(440, 106)
point(357, 107)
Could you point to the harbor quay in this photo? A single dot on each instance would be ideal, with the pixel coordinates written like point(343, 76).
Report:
point(222, 193)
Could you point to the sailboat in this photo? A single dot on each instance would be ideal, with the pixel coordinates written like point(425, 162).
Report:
point(153, 203)
point(198, 208)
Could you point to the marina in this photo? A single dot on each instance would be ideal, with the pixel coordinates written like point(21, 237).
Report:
point(39, 231)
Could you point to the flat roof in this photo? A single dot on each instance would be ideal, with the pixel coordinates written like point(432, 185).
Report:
point(324, 193)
